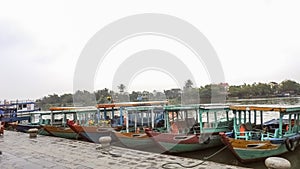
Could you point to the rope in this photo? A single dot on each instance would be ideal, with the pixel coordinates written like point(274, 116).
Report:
point(195, 165)
point(208, 157)
point(107, 151)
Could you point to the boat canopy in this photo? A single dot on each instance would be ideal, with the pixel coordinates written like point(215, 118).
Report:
point(131, 104)
point(275, 108)
point(69, 108)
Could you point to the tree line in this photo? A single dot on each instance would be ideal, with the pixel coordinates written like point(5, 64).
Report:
point(191, 94)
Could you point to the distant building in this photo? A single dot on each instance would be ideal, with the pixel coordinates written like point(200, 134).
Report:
point(273, 84)
point(225, 85)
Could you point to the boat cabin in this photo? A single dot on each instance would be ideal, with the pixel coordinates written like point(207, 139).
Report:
point(265, 122)
point(198, 118)
point(17, 111)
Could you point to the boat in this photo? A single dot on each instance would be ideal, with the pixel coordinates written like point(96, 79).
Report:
point(192, 127)
point(37, 118)
point(252, 139)
point(107, 121)
point(138, 119)
point(14, 112)
point(91, 124)
point(25, 127)
point(57, 125)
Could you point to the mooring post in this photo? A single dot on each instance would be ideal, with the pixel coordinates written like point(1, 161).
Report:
point(105, 142)
point(277, 163)
point(33, 132)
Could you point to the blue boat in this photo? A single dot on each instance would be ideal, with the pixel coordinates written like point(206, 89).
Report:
point(14, 112)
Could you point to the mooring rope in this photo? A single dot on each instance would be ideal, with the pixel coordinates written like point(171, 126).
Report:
point(165, 165)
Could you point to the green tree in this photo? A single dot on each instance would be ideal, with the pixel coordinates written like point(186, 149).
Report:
point(102, 96)
point(121, 88)
point(188, 84)
point(289, 86)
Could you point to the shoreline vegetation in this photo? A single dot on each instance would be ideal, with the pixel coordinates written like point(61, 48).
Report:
point(204, 94)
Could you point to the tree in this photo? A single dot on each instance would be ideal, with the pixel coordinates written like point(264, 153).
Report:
point(188, 84)
point(289, 86)
point(102, 96)
point(121, 87)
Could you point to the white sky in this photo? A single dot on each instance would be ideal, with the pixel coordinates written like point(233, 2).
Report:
point(40, 42)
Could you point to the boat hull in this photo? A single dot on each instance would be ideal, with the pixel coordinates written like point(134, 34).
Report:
point(63, 132)
point(93, 133)
point(43, 132)
point(133, 140)
point(178, 143)
point(254, 150)
point(25, 127)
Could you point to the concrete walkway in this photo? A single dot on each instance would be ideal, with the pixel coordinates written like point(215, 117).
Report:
point(21, 152)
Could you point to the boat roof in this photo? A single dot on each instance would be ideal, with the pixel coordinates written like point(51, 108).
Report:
point(145, 108)
point(266, 107)
point(70, 108)
point(214, 107)
point(16, 102)
point(204, 107)
point(181, 107)
point(131, 104)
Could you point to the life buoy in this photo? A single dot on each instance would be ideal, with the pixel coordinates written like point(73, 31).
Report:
point(290, 144)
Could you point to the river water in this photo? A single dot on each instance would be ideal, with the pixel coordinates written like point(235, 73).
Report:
point(227, 157)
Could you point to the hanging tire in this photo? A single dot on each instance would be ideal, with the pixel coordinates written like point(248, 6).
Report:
point(290, 144)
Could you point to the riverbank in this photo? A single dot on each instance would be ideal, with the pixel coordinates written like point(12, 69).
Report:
point(21, 152)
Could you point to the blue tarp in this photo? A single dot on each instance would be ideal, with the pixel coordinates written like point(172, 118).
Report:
point(275, 121)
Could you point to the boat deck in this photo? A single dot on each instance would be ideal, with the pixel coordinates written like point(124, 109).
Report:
point(19, 151)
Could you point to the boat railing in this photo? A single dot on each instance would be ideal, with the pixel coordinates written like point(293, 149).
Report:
point(243, 131)
point(243, 135)
point(183, 126)
point(268, 135)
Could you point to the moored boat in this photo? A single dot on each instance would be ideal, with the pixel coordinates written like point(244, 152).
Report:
point(91, 124)
point(37, 118)
point(57, 124)
point(192, 127)
point(15, 112)
point(253, 140)
point(109, 119)
point(137, 120)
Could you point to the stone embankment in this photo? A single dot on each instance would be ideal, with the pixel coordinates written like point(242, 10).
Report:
point(21, 152)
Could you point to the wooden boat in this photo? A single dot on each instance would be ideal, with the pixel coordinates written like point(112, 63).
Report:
point(25, 127)
point(61, 131)
point(91, 125)
point(58, 126)
point(253, 140)
point(36, 120)
point(191, 128)
point(108, 120)
point(137, 120)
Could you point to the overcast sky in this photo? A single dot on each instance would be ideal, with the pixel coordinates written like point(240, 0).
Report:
point(40, 42)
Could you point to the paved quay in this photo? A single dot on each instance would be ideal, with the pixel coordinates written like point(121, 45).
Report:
point(21, 152)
